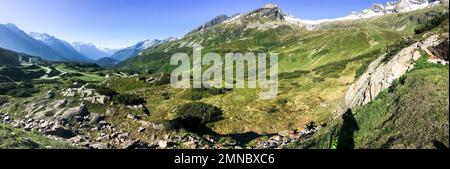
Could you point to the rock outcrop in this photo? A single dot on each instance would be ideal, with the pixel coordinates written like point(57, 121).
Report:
point(380, 76)
point(76, 111)
point(86, 94)
point(440, 51)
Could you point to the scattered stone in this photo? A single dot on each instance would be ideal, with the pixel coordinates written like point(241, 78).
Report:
point(284, 133)
point(131, 144)
point(28, 127)
point(141, 129)
point(102, 99)
point(50, 95)
point(132, 117)
point(59, 103)
point(77, 111)
point(60, 131)
point(162, 144)
point(95, 118)
point(69, 93)
point(190, 145)
point(6, 119)
point(99, 146)
point(77, 139)
point(276, 138)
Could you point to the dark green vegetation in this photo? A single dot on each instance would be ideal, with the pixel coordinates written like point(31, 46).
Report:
point(105, 91)
point(15, 74)
point(413, 113)
point(199, 93)
point(197, 114)
point(3, 100)
point(366, 60)
point(106, 62)
point(293, 75)
point(12, 138)
point(395, 47)
point(431, 20)
point(22, 89)
point(128, 99)
point(83, 67)
point(8, 57)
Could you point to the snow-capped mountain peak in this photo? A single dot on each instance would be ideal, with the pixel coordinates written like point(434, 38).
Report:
point(64, 48)
point(78, 45)
point(375, 9)
point(169, 39)
point(41, 36)
point(108, 50)
point(90, 50)
point(147, 44)
point(275, 13)
point(270, 6)
point(270, 10)
point(393, 7)
point(134, 50)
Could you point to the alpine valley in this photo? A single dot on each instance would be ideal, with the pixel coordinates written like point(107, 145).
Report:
point(375, 79)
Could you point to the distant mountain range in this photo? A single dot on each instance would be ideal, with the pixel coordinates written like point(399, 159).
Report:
point(274, 12)
point(134, 50)
point(61, 47)
point(12, 38)
point(52, 48)
point(92, 51)
point(256, 30)
point(375, 9)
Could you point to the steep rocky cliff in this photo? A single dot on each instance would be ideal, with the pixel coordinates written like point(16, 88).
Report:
point(380, 75)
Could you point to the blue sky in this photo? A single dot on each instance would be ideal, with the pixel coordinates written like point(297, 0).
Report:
point(121, 23)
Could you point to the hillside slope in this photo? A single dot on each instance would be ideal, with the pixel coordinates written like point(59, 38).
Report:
point(8, 57)
point(412, 113)
point(13, 138)
point(318, 66)
point(298, 47)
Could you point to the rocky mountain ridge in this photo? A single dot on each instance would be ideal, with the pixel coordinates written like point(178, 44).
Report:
point(380, 76)
point(62, 47)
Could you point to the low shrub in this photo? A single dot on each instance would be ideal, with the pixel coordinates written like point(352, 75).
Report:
point(199, 93)
point(282, 101)
point(3, 100)
point(165, 95)
point(198, 113)
point(17, 90)
point(292, 75)
point(318, 79)
point(272, 109)
point(105, 91)
point(128, 99)
point(22, 92)
point(432, 20)
point(396, 47)
point(6, 87)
